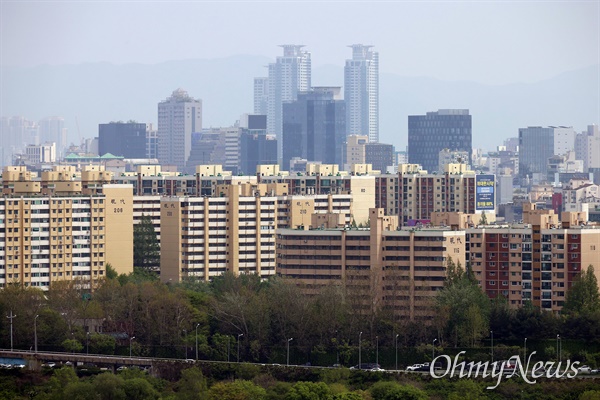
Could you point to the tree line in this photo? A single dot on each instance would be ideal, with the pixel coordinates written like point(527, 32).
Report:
point(258, 321)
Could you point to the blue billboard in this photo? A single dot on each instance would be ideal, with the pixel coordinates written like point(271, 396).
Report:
point(484, 192)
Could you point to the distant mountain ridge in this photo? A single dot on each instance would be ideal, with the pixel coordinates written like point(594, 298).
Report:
point(97, 93)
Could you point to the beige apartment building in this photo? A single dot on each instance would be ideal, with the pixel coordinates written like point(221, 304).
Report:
point(380, 267)
point(204, 237)
point(51, 231)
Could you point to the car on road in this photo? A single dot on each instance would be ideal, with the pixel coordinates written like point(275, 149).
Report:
point(368, 367)
point(415, 367)
point(584, 369)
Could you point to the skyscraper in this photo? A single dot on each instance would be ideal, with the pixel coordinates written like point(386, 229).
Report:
point(314, 126)
point(123, 139)
point(443, 129)
point(289, 75)
point(256, 147)
point(52, 129)
point(538, 144)
point(587, 147)
point(261, 95)
point(361, 92)
point(178, 117)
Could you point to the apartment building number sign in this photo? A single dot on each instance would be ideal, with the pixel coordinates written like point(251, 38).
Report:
point(484, 192)
point(117, 210)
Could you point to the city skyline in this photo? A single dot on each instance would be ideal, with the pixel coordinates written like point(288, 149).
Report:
point(419, 70)
point(478, 44)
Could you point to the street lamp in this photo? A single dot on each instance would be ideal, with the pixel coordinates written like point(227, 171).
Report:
point(525, 350)
point(397, 351)
point(377, 350)
point(228, 340)
point(288, 350)
point(337, 349)
point(184, 343)
point(87, 343)
point(560, 349)
point(557, 348)
point(197, 325)
point(492, 333)
point(130, 339)
point(359, 350)
point(35, 332)
point(11, 328)
point(433, 350)
point(239, 336)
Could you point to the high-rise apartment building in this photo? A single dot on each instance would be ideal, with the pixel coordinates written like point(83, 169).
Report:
point(380, 268)
point(314, 126)
point(380, 156)
point(52, 129)
point(203, 237)
point(587, 147)
point(127, 139)
point(15, 134)
point(261, 95)
point(361, 92)
point(355, 149)
point(443, 129)
point(256, 147)
point(290, 74)
point(538, 144)
point(536, 261)
point(178, 117)
point(60, 228)
point(420, 194)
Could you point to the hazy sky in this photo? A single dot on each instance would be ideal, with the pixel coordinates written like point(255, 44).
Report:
point(485, 41)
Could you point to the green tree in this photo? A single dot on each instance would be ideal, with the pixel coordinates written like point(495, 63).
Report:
point(583, 297)
point(347, 396)
point(139, 389)
point(395, 391)
point(60, 379)
point(463, 307)
point(192, 385)
point(109, 387)
point(102, 344)
point(72, 345)
point(237, 390)
point(80, 391)
point(590, 395)
point(309, 391)
point(146, 250)
point(483, 220)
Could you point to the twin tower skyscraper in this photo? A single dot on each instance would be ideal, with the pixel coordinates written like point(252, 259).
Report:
point(290, 75)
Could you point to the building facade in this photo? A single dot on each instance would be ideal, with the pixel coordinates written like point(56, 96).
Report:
point(361, 92)
point(537, 261)
point(290, 74)
point(443, 129)
point(261, 95)
point(314, 126)
point(587, 147)
point(203, 237)
point(127, 139)
point(538, 144)
point(57, 230)
point(380, 267)
point(178, 117)
point(380, 156)
point(256, 147)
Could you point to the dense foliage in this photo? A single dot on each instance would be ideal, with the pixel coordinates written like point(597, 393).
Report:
point(206, 382)
point(256, 320)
